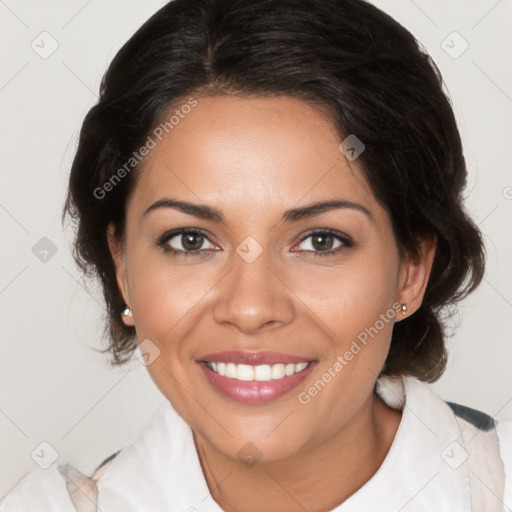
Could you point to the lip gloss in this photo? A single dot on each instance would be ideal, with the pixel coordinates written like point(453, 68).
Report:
point(254, 392)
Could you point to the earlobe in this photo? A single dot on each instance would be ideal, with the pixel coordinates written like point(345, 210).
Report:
point(414, 274)
point(127, 316)
point(117, 253)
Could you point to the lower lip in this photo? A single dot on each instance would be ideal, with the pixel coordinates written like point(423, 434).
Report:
point(255, 392)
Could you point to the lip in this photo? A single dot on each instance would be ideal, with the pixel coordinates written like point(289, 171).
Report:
point(253, 357)
point(255, 392)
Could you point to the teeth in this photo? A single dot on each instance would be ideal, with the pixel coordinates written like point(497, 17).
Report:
point(243, 372)
point(278, 371)
point(299, 367)
point(290, 369)
point(231, 370)
point(260, 373)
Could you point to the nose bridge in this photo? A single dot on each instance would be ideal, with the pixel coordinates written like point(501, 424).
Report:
point(252, 295)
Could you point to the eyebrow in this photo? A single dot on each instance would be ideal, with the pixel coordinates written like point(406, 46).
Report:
point(211, 213)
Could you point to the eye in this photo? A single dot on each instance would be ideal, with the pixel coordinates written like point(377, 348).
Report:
point(185, 242)
point(325, 242)
point(190, 242)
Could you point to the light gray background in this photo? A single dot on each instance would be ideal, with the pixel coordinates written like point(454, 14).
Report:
point(54, 388)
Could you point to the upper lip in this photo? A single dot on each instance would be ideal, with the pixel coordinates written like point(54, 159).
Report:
point(253, 357)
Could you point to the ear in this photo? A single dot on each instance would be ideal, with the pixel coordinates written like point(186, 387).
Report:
point(117, 253)
point(414, 274)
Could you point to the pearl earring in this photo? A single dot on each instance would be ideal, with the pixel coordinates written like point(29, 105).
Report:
point(126, 312)
point(404, 309)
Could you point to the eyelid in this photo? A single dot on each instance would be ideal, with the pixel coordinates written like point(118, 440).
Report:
point(342, 237)
point(172, 233)
point(345, 240)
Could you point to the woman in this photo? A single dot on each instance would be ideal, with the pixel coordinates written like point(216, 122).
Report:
point(270, 194)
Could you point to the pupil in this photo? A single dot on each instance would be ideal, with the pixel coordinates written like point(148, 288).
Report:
point(188, 241)
point(324, 242)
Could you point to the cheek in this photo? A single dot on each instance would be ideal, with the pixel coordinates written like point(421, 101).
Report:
point(351, 297)
point(162, 299)
point(167, 301)
point(167, 297)
point(356, 307)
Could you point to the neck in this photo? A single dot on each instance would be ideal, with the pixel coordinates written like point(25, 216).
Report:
point(317, 479)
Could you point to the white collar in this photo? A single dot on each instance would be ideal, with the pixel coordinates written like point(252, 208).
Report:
point(161, 471)
point(417, 473)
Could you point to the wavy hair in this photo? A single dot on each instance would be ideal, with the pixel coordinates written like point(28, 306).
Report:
point(346, 56)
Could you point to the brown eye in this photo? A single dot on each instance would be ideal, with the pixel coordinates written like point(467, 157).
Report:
point(185, 242)
point(322, 243)
point(192, 241)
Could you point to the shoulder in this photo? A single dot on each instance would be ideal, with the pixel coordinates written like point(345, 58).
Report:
point(489, 444)
point(41, 489)
point(504, 431)
point(481, 422)
point(58, 488)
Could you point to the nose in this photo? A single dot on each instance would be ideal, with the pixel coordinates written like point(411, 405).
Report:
point(253, 296)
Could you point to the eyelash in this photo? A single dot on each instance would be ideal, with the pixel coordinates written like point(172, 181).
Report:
point(162, 242)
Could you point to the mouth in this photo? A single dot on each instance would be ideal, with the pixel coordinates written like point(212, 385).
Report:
point(259, 373)
point(254, 377)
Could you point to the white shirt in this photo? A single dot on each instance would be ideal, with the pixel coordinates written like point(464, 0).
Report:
point(425, 470)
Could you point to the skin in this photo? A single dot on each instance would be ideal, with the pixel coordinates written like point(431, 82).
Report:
point(254, 158)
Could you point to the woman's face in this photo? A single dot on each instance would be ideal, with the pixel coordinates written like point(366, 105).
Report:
point(258, 280)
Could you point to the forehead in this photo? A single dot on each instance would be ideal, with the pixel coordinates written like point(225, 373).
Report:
point(249, 153)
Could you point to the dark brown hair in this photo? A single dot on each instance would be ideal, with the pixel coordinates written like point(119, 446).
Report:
point(346, 55)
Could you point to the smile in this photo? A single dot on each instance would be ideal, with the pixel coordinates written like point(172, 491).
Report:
point(260, 373)
point(254, 377)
